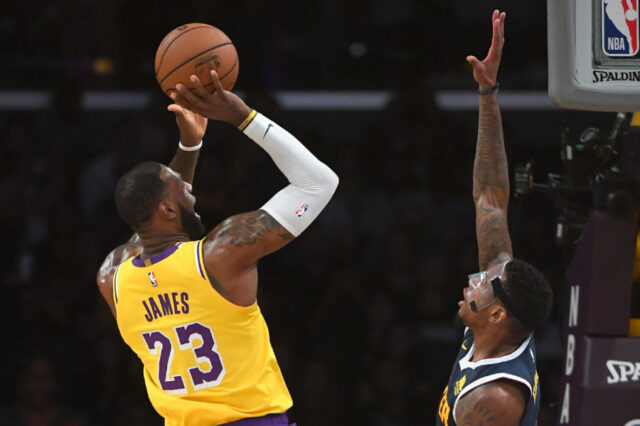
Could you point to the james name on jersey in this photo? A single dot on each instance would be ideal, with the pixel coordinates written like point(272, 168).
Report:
point(164, 304)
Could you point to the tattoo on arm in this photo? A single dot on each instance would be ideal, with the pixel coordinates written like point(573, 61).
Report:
point(499, 403)
point(475, 414)
point(250, 229)
point(491, 184)
point(492, 235)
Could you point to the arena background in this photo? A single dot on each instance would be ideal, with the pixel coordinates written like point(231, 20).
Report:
point(360, 306)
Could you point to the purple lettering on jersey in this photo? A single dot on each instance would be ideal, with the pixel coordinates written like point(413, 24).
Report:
point(184, 297)
point(167, 309)
point(205, 354)
point(147, 316)
point(174, 296)
point(154, 308)
point(172, 385)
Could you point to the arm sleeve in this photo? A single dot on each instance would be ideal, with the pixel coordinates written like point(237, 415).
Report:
point(311, 182)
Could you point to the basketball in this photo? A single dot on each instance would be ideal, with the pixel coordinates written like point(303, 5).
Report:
point(195, 49)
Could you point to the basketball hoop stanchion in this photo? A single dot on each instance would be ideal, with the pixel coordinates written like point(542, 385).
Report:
point(601, 365)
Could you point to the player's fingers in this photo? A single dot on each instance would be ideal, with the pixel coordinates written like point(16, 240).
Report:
point(497, 31)
point(185, 103)
point(495, 15)
point(216, 83)
point(503, 17)
point(472, 60)
point(195, 101)
point(199, 87)
point(175, 108)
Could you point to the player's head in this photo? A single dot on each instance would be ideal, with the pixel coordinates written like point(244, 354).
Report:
point(151, 196)
point(512, 294)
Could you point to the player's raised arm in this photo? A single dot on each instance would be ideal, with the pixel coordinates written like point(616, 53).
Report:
point(233, 247)
point(490, 170)
point(192, 128)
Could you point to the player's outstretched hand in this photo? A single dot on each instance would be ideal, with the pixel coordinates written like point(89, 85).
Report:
point(220, 105)
point(192, 125)
point(485, 72)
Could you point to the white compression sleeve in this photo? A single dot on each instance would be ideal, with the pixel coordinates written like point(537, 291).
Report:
point(312, 183)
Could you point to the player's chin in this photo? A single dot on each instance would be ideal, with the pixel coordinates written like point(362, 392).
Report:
point(458, 321)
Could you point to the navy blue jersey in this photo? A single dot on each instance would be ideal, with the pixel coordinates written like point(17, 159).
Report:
point(519, 366)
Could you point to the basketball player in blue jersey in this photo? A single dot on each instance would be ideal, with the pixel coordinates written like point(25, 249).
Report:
point(494, 379)
point(186, 305)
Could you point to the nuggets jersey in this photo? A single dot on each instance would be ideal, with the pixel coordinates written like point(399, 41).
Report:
point(519, 366)
point(206, 361)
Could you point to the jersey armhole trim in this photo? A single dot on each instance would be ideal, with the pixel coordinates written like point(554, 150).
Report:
point(487, 379)
point(199, 259)
point(203, 272)
point(115, 284)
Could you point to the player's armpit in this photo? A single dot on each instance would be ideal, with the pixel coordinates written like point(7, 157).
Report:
point(500, 403)
point(232, 249)
point(492, 233)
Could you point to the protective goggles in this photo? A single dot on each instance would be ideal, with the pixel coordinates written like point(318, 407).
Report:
point(481, 291)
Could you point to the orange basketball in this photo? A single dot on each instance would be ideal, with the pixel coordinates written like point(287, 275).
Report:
point(195, 49)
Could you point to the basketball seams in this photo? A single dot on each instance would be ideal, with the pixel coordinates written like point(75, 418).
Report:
point(175, 38)
point(193, 89)
point(192, 58)
point(229, 72)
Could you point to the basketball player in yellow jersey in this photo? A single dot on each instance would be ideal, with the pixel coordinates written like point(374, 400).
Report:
point(187, 305)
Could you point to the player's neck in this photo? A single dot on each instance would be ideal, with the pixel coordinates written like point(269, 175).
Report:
point(155, 243)
point(492, 344)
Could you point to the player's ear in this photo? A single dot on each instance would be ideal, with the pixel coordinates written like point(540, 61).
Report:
point(497, 313)
point(168, 209)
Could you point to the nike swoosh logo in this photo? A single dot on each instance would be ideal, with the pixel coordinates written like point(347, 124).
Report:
point(267, 131)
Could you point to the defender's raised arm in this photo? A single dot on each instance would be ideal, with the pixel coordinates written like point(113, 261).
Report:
point(490, 170)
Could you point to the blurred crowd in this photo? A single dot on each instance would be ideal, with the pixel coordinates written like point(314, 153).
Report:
point(310, 45)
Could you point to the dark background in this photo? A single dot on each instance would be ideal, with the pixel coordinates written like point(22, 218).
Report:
point(360, 307)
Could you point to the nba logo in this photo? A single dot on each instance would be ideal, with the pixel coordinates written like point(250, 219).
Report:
point(303, 208)
point(620, 27)
point(152, 278)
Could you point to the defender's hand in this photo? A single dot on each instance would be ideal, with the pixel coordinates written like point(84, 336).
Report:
point(486, 72)
point(192, 125)
point(220, 105)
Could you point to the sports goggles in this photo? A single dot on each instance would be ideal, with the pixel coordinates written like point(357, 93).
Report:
point(481, 292)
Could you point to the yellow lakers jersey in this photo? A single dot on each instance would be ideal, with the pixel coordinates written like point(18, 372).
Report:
point(206, 361)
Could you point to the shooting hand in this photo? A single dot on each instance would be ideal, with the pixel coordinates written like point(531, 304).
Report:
point(220, 105)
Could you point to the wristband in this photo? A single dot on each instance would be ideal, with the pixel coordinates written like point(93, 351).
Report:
point(248, 120)
point(489, 90)
point(190, 148)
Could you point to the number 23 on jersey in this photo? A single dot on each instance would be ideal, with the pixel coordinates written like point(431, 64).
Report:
point(198, 338)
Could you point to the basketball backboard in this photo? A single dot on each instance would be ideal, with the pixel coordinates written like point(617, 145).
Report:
point(594, 54)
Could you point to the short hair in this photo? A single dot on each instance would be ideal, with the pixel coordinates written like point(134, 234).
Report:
point(138, 192)
point(529, 293)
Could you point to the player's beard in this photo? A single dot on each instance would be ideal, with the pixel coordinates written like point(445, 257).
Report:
point(458, 322)
point(191, 224)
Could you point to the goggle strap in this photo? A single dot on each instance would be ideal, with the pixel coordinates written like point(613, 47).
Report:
point(496, 283)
